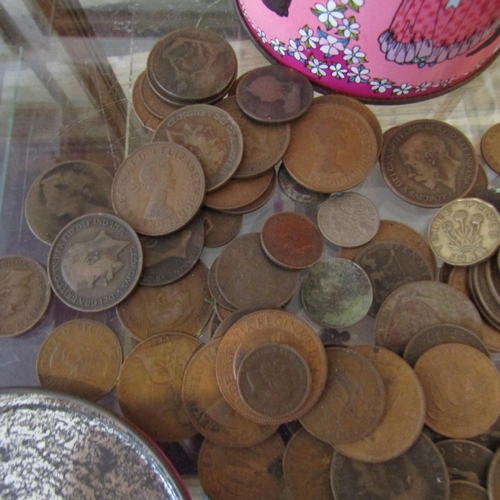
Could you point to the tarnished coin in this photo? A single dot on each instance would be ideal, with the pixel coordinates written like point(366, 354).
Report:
point(232, 319)
point(492, 271)
point(153, 103)
point(65, 192)
point(24, 294)
point(158, 188)
point(297, 192)
point(336, 293)
point(494, 477)
point(491, 438)
point(168, 258)
point(81, 357)
point(428, 163)
point(404, 412)
point(464, 490)
point(183, 306)
point(483, 296)
point(291, 240)
point(212, 136)
point(274, 94)
point(95, 262)
point(220, 228)
point(462, 390)
point(213, 287)
point(490, 147)
point(223, 312)
point(418, 474)
point(491, 339)
point(147, 119)
point(465, 232)
point(458, 279)
point(348, 219)
point(149, 386)
point(242, 473)
point(306, 467)
point(353, 401)
point(331, 149)
point(491, 196)
point(480, 185)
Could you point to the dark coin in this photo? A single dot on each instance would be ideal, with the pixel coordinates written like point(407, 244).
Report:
point(490, 148)
point(493, 277)
point(494, 477)
point(154, 104)
point(147, 119)
point(480, 185)
point(296, 191)
point(491, 196)
point(491, 438)
point(464, 490)
point(213, 287)
point(274, 94)
point(95, 262)
point(483, 295)
point(220, 228)
point(231, 320)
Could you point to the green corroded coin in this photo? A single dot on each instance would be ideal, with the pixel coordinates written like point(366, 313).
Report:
point(337, 293)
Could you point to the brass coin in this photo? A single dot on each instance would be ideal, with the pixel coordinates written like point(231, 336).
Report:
point(81, 357)
point(208, 410)
point(490, 148)
point(158, 188)
point(220, 228)
point(296, 191)
point(147, 119)
point(494, 477)
point(353, 401)
point(462, 390)
point(24, 294)
point(153, 103)
point(95, 262)
point(211, 135)
point(149, 386)
point(464, 490)
point(480, 185)
point(65, 192)
point(248, 473)
point(465, 232)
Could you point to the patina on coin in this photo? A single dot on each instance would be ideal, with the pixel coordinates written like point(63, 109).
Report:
point(24, 294)
point(153, 103)
point(65, 192)
point(492, 196)
point(490, 147)
point(428, 163)
point(494, 477)
point(158, 188)
point(336, 293)
point(464, 490)
point(213, 287)
point(465, 232)
point(462, 390)
point(147, 119)
point(480, 185)
point(483, 295)
point(220, 228)
point(81, 357)
point(95, 262)
point(297, 192)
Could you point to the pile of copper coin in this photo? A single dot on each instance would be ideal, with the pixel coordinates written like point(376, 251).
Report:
point(363, 418)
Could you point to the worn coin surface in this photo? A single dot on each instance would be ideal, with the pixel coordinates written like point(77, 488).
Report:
point(213, 287)
point(95, 262)
point(494, 477)
point(220, 228)
point(65, 192)
point(24, 294)
point(464, 490)
point(158, 188)
point(458, 278)
point(493, 277)
point(490, 147)
point(428, 163)
point(147, 119)
point(153, 103)
point(297, 192)
point(483, 296)
point(480, 185)
point(81, 357)
point(492, 196)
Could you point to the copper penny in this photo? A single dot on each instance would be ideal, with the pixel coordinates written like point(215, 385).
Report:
point(306, 467)
point(490, 148)
point(223, 312)
point(264, 144)
point(95, 262)
point(65, 192)
point(153, 103)
point(417, 305)
point(464, 490)
point(480, 185)
point(428, 163)
point(213, 287)
point(158, 189)
point(492, 269)
point(147, 119)
point(348, 219)
point(247, 278)
point(491, 196)
point(491, 338)
point(149, 386)
point(491, 438)
point(462, 390)
point(353, 401)
point(24, 294)
point(259, 328)
point(483, 296)
point(331, 149)
point(183, 306)
point(81, 357)
point(274, 94)
point(296, 191)
point(208, 410)
point(494, 477)
point(232, 319)
point(458, 279)
point(291, 240)
point(404, 411)
point(242, 473)
point(220, 228)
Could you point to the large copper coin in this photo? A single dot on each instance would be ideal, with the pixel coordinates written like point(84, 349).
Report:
point(465, 232)
point(428, 163)
point(248, 473)
point(492, 269)
point(353, 401)
point(247, 278)
point(331, 149)
point(458, 279)
point(491, 438)
point(490, 147)
point(297, 192)
point(158, 188)
point(480, 185)
point(147, 119)
point(65, 192)
point(483, 297)
point(95, 262)
point(183, 306)
point(211, 135)
point(153, 103)
point(213, 287)
point(220, 228)
point(81, 357)
point(291, 240)
point(24, 294)
point(462, 390)
point(417, 305)
point(306, 467)
point(492, 196)
point(149, 386)
point(259, 328)
point(464, 490)
point(404, 411)
point(418, 474)
point(264, 145)
point(208, 410)
point(274, 94)
point(494, 477)
point(491, 338)
point(336, 293)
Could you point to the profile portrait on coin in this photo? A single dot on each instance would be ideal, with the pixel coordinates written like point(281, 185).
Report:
point(172, 306)
point(14, 291)
point(157, 250)
point(270, 90)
